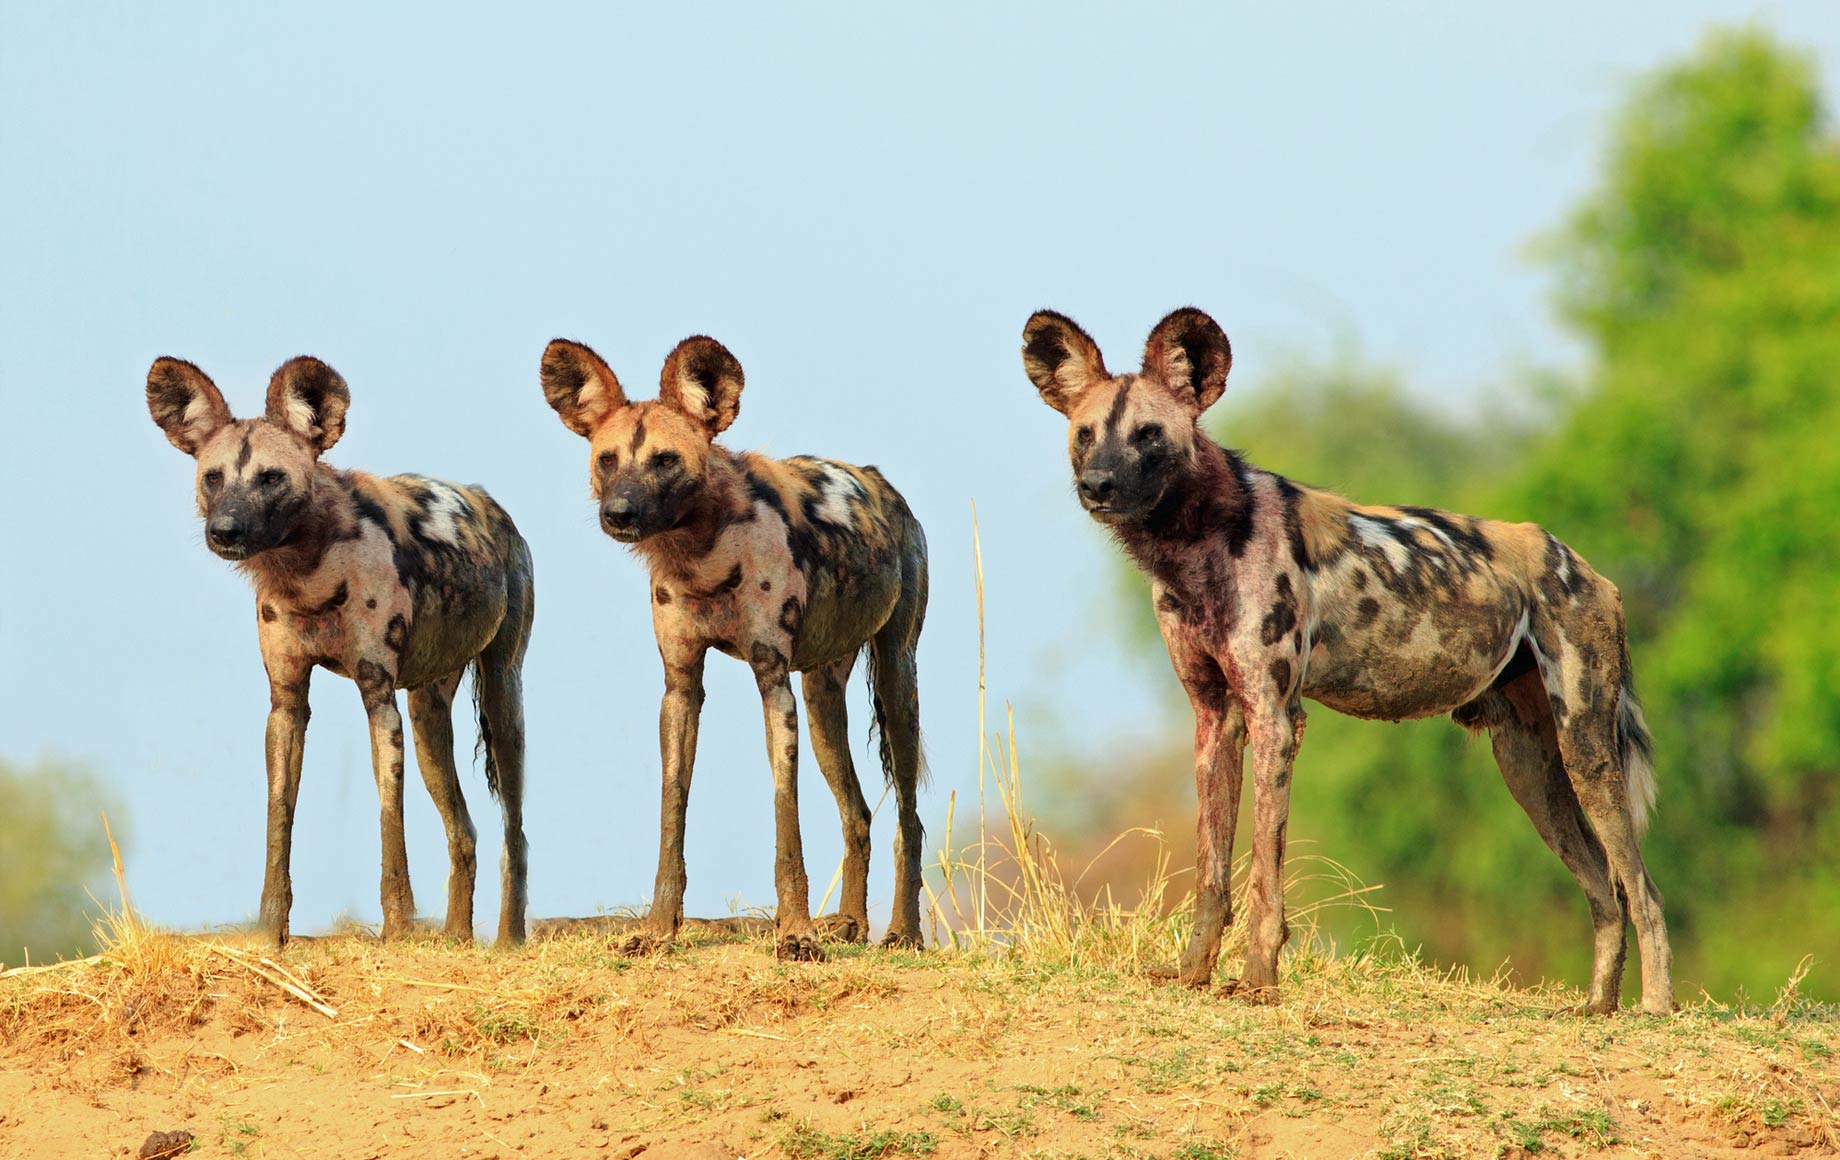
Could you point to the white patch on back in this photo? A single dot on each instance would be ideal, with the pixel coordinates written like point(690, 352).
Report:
point(836, 496)
point(445, 506)
point(1375, 535)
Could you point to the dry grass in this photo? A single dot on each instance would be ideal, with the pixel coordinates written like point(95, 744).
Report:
point(1029, 1030)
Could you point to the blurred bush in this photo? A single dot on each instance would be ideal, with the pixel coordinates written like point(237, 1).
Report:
point(54, 859)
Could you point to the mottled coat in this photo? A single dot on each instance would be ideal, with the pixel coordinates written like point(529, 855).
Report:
point(397, 583)
point(1268, 592)
point(790, 565)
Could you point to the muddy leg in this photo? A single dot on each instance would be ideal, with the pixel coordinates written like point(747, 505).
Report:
point(378, 687)
point(677, 727)
point(287, 736)
point(1273, 732)
point(1220, 742)
point(797, 938)
point(830, 742)
point(1526, 748)
point(431, 718)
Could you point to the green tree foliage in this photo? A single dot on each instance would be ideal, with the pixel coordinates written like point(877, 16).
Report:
point(54, 859)
point(1698, 465)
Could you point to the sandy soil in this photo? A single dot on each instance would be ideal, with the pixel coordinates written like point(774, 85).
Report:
point(565, 1048)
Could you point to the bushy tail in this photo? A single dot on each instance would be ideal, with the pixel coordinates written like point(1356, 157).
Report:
point(1638, 750)
point(483, 748)
point(878, 730)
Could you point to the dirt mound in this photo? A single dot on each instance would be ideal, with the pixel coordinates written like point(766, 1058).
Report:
point(345, 1047)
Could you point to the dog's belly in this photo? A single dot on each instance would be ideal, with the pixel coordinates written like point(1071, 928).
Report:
point(1413, 664)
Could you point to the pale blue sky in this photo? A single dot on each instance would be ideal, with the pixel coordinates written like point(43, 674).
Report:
point(864, 206)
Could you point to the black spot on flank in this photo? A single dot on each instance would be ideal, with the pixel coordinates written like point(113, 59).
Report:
point(370, 602)
point(638, 437)
point(1358, 578)
point(766, 585)
point(734, 579)
point(1283, 586)
point(396, 635)
point(1328, 636)
point(1296, 642)
point(660, 595)
point(269, 614)
point(1281, 675)
point(243, 453)
point(791, 614)
point(1366, 612)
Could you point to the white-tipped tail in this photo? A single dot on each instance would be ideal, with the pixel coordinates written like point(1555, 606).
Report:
point(1638, 758)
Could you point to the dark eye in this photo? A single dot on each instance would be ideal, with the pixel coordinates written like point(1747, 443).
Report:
point(1083, 437)
point(214, 478)
point(666, 459)
point(1147, 434)
point(271, 477)
point(609, 460)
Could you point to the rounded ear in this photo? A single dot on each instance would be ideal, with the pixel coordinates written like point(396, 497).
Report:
point(309, 398)
point(1189, 354)
point(703, 380)
point(1061, 359)
point(580, 386)
point(185, 403)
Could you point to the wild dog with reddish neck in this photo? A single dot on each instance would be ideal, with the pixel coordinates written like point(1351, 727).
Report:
point(397, 583)
point(792, 565)
point(1267, 591)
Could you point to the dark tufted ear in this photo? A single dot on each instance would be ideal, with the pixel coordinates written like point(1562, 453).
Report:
point(580, 385)
point(185, 403)
point(1189, 354)
point(703, 380)
point(1061, 359)
point(309, 398)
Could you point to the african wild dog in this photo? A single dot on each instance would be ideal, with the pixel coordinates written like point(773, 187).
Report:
point(397, 583)
point(792, 565)
point(1267, 591)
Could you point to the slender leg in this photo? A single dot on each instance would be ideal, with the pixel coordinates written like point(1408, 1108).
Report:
point(1220, 743)
point(677, 726)
point(830, 743)
point(1274, 728)
point(1584, 698)
point(287, 737)
point(431, 718)
point(378, 687)
point(797, 938)
point(1526, 748)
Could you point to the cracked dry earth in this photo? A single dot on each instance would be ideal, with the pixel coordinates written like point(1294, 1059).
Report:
point(344, 1047)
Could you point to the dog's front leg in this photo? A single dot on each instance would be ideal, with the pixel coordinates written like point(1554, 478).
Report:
point(286, 742)
point(796, 938)
point(678, 715)
point(1220, 743)
point(1275, 723)
point(378, 687)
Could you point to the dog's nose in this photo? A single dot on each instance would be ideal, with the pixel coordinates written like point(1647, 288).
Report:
point(617, 513)
point(224, 532)
point(1096, 486)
